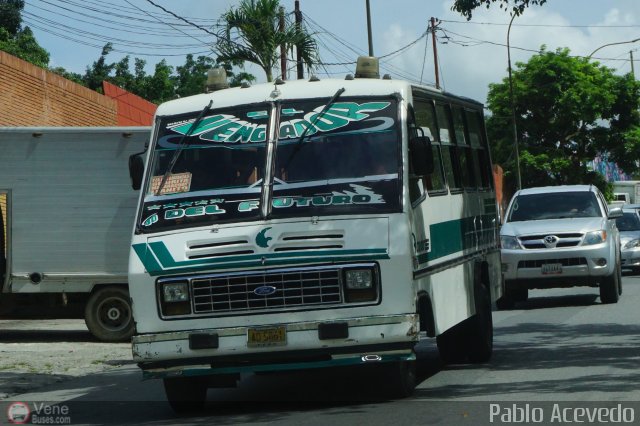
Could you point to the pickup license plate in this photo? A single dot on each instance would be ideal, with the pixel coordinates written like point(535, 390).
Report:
point(551, 268)
point(266, 336)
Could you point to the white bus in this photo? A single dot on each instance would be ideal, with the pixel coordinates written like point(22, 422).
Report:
point(311, 224)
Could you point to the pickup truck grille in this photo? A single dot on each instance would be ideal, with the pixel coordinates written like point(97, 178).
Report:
point(572, 261)
point(267, 290)
point(531, 242)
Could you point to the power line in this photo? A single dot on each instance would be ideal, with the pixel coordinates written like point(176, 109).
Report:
point(540, 25)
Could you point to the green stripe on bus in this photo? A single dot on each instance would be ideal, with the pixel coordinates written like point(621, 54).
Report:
point(148, 255)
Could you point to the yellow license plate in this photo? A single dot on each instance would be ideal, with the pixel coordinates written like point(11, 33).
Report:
point(267, 336)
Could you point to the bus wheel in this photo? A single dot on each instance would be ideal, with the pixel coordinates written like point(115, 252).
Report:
point(451, 344)
point(480, 327)
point(108, 314)
point(185, 394)
point(400, 378)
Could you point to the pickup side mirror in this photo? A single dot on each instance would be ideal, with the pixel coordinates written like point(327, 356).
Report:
point(615, 212)
point(136, 170)
point(421, 155)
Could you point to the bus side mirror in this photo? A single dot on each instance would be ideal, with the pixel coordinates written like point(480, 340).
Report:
point(136, 170)
point(421, 155)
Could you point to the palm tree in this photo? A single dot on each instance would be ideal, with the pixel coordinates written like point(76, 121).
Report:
point(251, 33)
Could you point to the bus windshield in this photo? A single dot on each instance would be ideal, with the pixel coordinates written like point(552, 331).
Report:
point(347, 161)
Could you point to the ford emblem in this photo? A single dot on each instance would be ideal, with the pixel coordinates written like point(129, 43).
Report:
point(265, 290)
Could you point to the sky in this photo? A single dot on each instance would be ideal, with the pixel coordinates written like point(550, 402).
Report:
point(471, 54)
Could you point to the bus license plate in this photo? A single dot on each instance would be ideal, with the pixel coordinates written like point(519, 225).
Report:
point(551, 268)
point(266, 336)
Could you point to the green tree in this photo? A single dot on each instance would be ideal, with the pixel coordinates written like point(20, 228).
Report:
point(24, 46)
point(568, 111)
point(99, 71)
point(466, 7)
point(11, 15)
point(191, 78)
point(252, 33)
point(18, 41)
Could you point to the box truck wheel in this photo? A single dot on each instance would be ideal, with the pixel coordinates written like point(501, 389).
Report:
point(108, 314)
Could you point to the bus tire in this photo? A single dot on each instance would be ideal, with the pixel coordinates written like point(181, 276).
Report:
point(108, 314)
point(480, 327)
point(505, 303)
point(400, 378)
point(185, 394)
point(451, 345)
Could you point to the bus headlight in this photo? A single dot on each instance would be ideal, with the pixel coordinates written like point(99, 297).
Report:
point(175, 292)
point(175, 298)
point(361, 285)
point(359, 279)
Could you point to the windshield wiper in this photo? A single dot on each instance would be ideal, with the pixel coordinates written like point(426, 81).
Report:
point(181, 146)
point(298, 143)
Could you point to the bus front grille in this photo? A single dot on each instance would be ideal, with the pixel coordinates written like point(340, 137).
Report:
point(267, 290)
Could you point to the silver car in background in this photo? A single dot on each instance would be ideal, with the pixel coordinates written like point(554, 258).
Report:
point(560, 236)
point(629, 226)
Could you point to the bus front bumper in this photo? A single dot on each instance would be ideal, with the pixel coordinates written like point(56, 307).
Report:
point(305, 345)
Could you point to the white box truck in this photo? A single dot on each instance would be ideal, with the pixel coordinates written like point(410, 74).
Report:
point(67, 210)
point(626, 192)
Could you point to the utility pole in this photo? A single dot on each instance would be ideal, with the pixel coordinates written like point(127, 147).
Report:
point(513, 107)
point(633, 71)
point(369, 29)
point(299, 68)
point(283, 48)
point(435, 51)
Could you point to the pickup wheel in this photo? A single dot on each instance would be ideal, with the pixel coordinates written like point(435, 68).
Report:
point(108, 314)
point(185, 394)
point(611, 286)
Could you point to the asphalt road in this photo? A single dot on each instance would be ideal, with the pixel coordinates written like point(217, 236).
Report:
point(562, 349)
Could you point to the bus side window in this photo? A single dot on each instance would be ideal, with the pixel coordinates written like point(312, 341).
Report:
point(426, 120)
point(465, 156)
point(449, 155)
point(479, 144)
point(416, 186)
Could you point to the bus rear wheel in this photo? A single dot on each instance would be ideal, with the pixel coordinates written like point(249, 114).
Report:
point(472, 339)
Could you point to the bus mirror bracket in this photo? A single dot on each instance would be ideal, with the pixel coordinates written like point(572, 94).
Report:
point(421, 155)
point(136, 170)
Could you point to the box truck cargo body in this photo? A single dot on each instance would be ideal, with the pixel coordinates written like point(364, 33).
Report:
point(67, 211)
point(626, 192)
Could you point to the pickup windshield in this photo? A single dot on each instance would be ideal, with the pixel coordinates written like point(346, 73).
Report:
point(554, 205)
point(347, 163)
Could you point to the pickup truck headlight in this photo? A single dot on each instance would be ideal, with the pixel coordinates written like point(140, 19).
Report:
point(594, 237)
point(632, 244)
point(509, 242)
